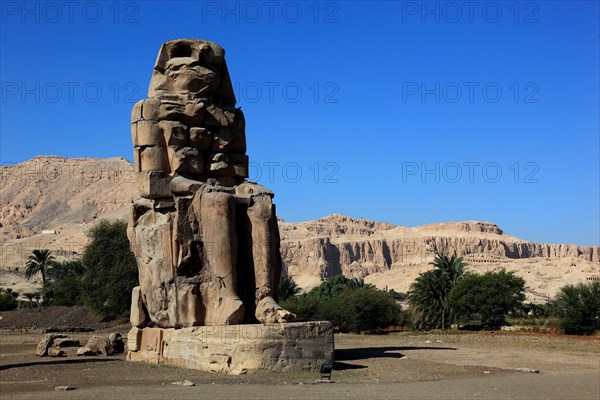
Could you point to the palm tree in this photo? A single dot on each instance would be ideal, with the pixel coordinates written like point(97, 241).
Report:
point(32, 296)
point(287, 288)
point(428, 295)
point(39, 262)
point(452, 267)
point(355, 283)
point(61, 270)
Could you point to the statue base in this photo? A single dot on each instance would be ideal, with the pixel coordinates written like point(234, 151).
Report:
point(235, 349)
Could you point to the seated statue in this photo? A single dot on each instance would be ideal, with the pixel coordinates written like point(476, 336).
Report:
point(206, 239)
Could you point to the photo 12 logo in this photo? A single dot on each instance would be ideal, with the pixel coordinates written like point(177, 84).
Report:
point(13, 254)
point(294, 172)
point(453, 12)
point(68, 92)
point(469, 92)
point(253, 12)
point(70, 12)
point(469, 172)
point(49, 172)
point(287, 92)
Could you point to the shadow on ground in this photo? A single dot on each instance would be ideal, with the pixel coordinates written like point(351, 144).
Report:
point(379, 352)
point(341, 366)
point(56, 362)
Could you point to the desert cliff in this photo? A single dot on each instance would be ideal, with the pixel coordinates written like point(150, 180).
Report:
point(50, 202)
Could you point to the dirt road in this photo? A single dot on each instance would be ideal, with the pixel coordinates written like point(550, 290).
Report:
point(398, 366)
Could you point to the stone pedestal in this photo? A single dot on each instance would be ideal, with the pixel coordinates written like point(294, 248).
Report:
point(295, 346)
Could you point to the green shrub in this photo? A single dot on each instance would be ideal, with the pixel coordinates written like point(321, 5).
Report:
point(578, 308)
point(68, 292)
point(398, 296)
point(488, 298)
point(534, 310)
point(336, 285)
point(349, 304)
point(8, 300)
point(64, 285)
point(305, 307)
point(111, 270)
point(366, 308)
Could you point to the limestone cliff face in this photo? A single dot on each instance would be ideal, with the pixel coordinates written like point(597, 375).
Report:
point(339, 244)
point(509, 249)
point(67, 196)
point(47, 191)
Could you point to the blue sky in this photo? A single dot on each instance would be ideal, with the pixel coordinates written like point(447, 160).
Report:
point(405, 112)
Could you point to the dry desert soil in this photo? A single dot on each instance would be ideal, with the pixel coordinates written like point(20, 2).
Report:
point(407, 365)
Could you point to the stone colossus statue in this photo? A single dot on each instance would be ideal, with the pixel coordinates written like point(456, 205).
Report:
point(206, 239)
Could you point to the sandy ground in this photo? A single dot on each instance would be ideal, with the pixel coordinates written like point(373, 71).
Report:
point(401, 365)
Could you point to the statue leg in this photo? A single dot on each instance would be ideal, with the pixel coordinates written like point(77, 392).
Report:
point(264, 250)
point(220, 237)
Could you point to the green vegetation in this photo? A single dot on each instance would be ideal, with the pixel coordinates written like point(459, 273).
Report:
point(428, 295)
point(39, 262)
point(487, 298)
point(107, 272)
point(578, 308)
point(65, 283)
point(287, 288)
point(350, 304)
point(111, 270)
point(32, 299)
point(8, 299)
point(102, 279)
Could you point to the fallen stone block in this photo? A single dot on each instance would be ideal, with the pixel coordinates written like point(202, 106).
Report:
point(54, 352)
point(86, 351)
point(46, 343)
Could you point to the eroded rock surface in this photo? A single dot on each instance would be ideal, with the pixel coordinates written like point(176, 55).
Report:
point(206, 240)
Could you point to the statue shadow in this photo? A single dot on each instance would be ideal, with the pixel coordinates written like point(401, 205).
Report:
point(56, 362)
point(341, 366)
point(364, 353)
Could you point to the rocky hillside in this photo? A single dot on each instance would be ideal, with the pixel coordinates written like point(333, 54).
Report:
point(50, 202)
point(47, 192)
point(392, 256)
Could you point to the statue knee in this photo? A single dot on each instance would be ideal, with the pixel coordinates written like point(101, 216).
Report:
point(261, 206)
point(218, 200)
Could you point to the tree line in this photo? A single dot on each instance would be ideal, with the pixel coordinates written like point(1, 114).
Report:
point(443, 296)
point(102, 279)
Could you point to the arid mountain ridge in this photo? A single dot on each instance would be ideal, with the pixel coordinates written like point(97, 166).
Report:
point(50, 202)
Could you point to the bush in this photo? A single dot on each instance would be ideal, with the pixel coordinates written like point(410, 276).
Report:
point(68, 292)
point(488, 298)
point(8, 300)
point(111, 270)
point(578, 308)
point(336, 285)
point(304, 306)
point(398, 296)
point(533, 310)
point(64, 285)
point(348, 303)
point(367, 308)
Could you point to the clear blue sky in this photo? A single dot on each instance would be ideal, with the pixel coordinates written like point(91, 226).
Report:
point(405, 112)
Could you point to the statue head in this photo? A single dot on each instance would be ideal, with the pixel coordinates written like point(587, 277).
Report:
point(192, 69)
